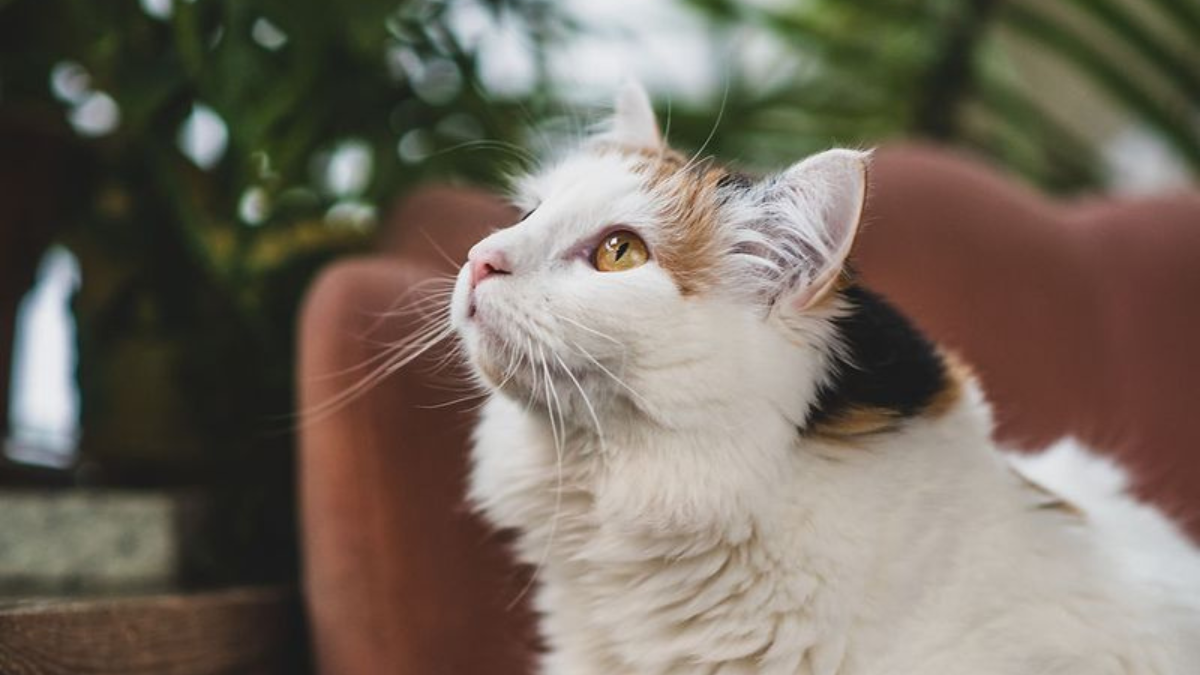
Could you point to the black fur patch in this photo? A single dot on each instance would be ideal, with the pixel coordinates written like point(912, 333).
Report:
point(884, 363)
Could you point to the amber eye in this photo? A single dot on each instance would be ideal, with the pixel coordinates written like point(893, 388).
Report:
point(620, 251)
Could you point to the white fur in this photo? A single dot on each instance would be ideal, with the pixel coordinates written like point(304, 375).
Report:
point(633, 124)
point(803, 222)
point(644, 446)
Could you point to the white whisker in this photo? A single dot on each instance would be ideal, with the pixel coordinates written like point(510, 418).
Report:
point(713, 132)
point(442, 252)
point(586, 401)
point(551, 395)
point(410, 351)
point(454, 402)
point(522, 155)
point(589, 329)
point(589, 357)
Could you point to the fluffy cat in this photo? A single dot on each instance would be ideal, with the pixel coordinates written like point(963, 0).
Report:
point(723, 455)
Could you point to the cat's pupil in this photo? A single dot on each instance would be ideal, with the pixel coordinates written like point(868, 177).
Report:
point(621, 250)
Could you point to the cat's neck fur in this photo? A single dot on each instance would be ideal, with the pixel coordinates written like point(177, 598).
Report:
point(880, 382)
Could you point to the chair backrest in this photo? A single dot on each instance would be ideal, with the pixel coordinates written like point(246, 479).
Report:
point(1081, 317)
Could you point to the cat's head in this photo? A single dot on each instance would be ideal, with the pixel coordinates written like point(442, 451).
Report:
point(642, 281)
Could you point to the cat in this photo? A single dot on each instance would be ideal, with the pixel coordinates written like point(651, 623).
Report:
point(722, 454)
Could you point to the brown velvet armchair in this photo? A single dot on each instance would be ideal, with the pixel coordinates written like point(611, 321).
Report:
point(1081, 318)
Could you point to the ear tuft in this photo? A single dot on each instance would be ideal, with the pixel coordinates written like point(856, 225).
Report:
point(633, 122)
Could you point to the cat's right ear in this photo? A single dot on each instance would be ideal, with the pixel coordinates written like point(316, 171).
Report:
point(633, 124)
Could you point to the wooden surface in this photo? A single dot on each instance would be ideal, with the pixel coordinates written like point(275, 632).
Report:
point(235, 632)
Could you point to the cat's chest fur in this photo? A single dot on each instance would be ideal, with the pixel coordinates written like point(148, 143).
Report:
point(810, 568)
point(637, 575)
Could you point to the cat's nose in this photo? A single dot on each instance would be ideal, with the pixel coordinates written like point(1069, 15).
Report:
point(485, 263)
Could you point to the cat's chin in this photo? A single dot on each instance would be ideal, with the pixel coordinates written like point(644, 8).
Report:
point(498, 376)
point(489, 370)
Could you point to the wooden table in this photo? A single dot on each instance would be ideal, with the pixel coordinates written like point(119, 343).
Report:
point(249, 631)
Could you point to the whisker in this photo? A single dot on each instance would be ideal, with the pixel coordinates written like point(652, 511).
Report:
point(423, 286)
point(645, 404)
point(534, 373)
point(551, 396)
point(454, 402)
point(559, 433)
point(712, 132)
point(589, 329)
point(424, 341)
point(667, 124)
point(514, 365)
point(389, 349)
point(586, 401)
point(442, 252)
point(520, 154)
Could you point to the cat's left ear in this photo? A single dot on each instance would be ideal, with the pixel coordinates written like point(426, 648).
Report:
point(814, 209)
point(633, 123)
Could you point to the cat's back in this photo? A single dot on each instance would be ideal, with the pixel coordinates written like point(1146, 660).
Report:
point(1153, 561)
point(1147, 544)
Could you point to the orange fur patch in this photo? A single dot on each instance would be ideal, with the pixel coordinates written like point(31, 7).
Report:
point(862, 421)
point(958, 373)
point(691, 249)
point(858, 421)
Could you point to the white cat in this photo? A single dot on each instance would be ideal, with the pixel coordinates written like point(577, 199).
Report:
point(723, 456)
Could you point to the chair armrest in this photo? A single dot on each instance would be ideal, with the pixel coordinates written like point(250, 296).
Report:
point(399, 577)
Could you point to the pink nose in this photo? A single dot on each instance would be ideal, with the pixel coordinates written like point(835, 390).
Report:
point(486, 263)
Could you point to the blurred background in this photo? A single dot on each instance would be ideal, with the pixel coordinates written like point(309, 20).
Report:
point(174, 172)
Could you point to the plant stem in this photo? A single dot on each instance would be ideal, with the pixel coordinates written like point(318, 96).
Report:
point(951, 78)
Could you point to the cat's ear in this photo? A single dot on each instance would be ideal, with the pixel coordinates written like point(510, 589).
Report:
point(633, 123)
point(808, 223)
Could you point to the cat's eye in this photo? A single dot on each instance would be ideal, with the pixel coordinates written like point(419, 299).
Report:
point(620, 251)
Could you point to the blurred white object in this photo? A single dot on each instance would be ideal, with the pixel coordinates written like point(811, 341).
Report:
point(159, 9)
point(1139, 162)
point(96, 115)
point(44, 407)
point(348, 172)
point(203, 137)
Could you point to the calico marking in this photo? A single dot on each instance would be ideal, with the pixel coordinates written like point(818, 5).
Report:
point(882, 372)
point(692, 214)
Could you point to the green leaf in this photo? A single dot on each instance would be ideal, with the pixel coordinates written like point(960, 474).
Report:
point(1126, 26)
point(1108, 75)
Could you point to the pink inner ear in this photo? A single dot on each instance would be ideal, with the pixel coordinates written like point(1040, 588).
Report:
point(815, 290)
point(842, 174)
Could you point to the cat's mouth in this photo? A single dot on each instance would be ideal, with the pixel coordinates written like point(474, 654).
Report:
point(473, 304)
